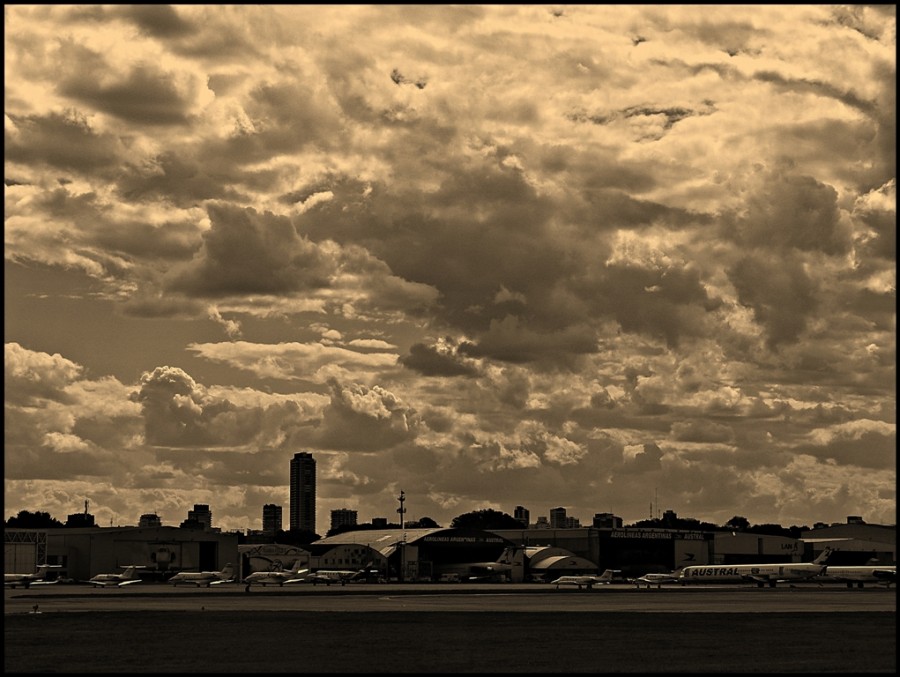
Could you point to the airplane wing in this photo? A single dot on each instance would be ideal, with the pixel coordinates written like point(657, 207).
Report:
point(129, 582)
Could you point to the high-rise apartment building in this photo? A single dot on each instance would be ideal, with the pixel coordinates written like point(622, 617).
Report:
point(557, 518)
point(522, 515)
point(201, 514)
point(271, 518)
point(303, 492)
point(343, 517)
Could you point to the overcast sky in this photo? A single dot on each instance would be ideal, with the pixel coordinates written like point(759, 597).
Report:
point(538, 255)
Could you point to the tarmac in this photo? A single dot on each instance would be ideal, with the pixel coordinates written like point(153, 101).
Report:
point(366, 628)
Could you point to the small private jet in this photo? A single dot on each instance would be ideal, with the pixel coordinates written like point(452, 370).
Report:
point(39, 577)
point(654, 578)
point(128, 577)
point(587, 581)
point(295, 574)
point(204, 578)
point(329, 576)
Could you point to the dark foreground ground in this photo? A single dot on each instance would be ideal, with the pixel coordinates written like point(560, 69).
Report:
point(461, 642)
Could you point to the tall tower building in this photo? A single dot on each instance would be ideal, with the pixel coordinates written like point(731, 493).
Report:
point(303, 492)
point(271, 518)
point(522, 514)
point(557, 518)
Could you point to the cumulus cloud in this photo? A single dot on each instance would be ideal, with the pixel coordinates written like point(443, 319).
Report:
point(502, 254)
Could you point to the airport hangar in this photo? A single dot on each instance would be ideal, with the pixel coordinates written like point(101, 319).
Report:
point(426, 554)
point(636, 551)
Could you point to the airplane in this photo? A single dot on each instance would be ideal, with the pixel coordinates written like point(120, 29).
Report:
point(128, 577)
point(207, 578)
point(761, 574)
point(292, 575)
point(588, 581)
point(25, 580)
point(860, 575)
point(477, 571)
point(329, 576)
point(655, 579)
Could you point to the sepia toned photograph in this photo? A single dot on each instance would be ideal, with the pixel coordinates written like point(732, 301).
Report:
point(474, 338)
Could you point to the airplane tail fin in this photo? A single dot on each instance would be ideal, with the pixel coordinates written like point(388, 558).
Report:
point(227, 572)
point(823, 556)
point(297, 567)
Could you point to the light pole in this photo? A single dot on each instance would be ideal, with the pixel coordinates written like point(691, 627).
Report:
point(402, 511)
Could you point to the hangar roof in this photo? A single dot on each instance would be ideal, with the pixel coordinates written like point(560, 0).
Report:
point(382, 539)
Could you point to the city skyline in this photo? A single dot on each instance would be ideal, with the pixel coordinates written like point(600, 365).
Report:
point(588, 256)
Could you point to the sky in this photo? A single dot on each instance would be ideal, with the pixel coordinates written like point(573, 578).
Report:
point(618, 259)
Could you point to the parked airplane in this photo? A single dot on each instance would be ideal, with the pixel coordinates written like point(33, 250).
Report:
point(329, 576)
point(207, 578)
point(25, 580)
point(127, 577)
point(860, 575)
point(476, 571)
point(293, 575)
point(655, 579)
point(586, 581)
point(761, 574)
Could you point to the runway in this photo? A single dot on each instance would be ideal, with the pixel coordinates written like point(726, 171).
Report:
point(508, 597)
point(451, 628)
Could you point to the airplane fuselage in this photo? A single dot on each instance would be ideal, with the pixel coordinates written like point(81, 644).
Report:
point(860, 575)
point(761, 574)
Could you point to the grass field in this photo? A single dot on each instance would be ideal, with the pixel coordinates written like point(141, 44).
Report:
point(449, 642)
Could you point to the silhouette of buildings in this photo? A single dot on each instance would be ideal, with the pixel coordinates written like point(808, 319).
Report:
point(303, 492)
point(343, 517)
point(271, 519)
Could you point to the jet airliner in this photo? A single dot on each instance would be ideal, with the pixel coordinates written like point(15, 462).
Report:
point(761, 574)
point(860, 575)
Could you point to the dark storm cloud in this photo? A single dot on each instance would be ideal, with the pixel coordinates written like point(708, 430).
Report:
point(792, 211)
point(246, 252)
point(428, 361)
point(65, 141)
point(510, 340)
point(161, 21)
point(145, 95)
point(779, 291)
point(177, 178)
point(818, 88)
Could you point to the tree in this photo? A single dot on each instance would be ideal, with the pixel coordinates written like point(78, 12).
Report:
point(296, 537)
point(426, 523)
point(738, 523)
point(33, 520)
point(485, 520)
